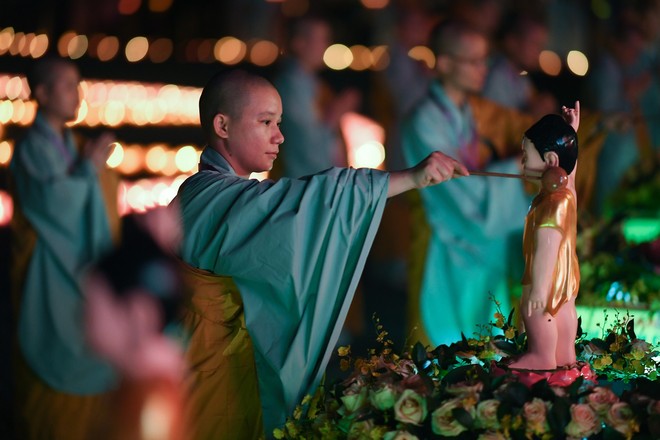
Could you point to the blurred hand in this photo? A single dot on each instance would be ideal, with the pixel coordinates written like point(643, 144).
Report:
point(436, 168)
point(98, 150)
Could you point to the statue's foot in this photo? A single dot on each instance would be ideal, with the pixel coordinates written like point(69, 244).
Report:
point(531, 362)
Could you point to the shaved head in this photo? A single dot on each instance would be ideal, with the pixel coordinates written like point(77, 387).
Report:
point(227, 92)
point(45, 70)
point(447, 37)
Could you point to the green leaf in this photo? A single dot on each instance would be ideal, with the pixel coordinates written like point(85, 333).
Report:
point(509, 320)
point(506, 346)
point(516, 393)
point(419, 355)
point(612, 434)
point(463, 417)
point(559, 416)
point(580, 333)
point(630, 328)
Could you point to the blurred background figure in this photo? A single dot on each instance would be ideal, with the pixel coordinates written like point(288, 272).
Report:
point(65, 218)
point(520, 41)
point(461, 251)
point(133, 294)
point(396, 91)
point(406, 79)
point(622, 82)
point(313, 110)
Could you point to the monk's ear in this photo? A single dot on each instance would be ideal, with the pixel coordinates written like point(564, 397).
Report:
point(220, 125)
point(551, 158)
point(40, 93)
point(442, 63)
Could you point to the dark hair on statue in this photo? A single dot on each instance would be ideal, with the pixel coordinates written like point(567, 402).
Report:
point(553, 133)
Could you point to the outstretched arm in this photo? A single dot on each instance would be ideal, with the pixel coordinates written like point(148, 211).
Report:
point(572, 115)
point(436, 168)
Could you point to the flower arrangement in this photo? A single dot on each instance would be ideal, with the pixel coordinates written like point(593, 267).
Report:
point(458, 391)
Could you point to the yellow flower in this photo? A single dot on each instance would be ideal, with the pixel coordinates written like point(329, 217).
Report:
point(344, 351)
point(637, 354)
point(344, 364)
point(510, 333)
point(278, 433)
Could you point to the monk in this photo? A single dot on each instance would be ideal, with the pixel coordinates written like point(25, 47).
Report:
point(272, 265)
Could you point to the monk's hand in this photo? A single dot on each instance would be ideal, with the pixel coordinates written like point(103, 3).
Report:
point(572, 115)
point(98, 150)
point(436, 168)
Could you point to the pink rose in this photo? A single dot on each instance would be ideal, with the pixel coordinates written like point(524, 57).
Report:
point(535, 413)
point(444, 423)
point(621, 417)
point(410, 408)
point(399, 435)
point(601, 399)
point(584, 421)
point(487, 414)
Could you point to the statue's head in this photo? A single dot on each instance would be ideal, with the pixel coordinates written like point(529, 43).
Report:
point(553, 133)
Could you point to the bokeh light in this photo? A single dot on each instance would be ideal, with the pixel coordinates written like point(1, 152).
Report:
point(264, 53)
point(186, 158)
point(362, 58)
point(6, 39)
point(550, 62)
point(116, 156)
point(338, 57)
point(63, 43)
point(108, 48)
point(6, 150)
point(229, 50)
point(128, 7)
point(160, 50)
point(423, 54)
point(577, 62)
point(159, 5)
point(375, 4)
point(77, 46)
point(136, 49)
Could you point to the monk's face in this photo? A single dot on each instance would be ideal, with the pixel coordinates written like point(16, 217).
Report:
point(254, 136)
point(60, 97)
point(466, 69)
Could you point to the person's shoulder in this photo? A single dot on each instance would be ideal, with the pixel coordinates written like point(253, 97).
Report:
point(30, 147)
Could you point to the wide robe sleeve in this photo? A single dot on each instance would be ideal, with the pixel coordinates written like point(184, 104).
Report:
point(295, 249)
point(65, 206)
